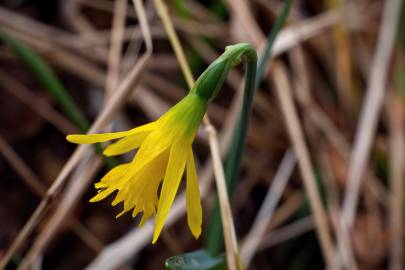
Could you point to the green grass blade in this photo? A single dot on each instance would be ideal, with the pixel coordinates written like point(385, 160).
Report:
point(43, 72)
point(214, 241)
point(48, 79)
point(181, 9)
point(264, 59)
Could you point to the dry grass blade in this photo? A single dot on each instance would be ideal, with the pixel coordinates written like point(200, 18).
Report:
point(343, 68)
point(114, 55)
point(39, 189)
point(25, 231)
point(116, 100)
point(287, 232)
point(29, 26)
point(174, 40)
point(371, 110)
point(232, 252)
point(323, 101)
point(232, 249)
point(86, 171)
point(63, 58)
point(255, 235)
point(244, 19)
point(22, 169)
point(396, 114)
point(283, 90)
point(335, 138)
point(37, 105)
point(293, 35)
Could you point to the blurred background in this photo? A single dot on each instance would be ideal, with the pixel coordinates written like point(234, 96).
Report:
point(341, 62)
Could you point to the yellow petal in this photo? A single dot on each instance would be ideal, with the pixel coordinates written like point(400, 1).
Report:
point(140, 191)
point(153, 146)
point(171, 181)
point(126, 144)
point(109, 182)
point(193, 202)
point(121, 213)
point(102, 194)
point(145, 217)
point(96, 138)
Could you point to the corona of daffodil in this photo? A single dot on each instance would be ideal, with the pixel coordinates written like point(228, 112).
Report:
point(164, 154)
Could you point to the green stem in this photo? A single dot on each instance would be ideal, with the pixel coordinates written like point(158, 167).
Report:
point(239, 136)
point(214, 241)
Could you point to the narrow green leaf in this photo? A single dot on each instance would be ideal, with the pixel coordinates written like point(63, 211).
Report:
point(197, 260)
point(181, 9)
point(48, 79)
point(214, 242)
point(270, 41)
point(219, 9)
point(43, 72)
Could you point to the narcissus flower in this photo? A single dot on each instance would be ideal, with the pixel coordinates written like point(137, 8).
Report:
point(164, 153)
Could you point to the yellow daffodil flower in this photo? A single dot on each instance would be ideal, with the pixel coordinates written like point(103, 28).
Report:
point(164, 153)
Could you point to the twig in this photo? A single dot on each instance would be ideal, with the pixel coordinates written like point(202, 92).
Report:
point(326, 125)
point(26, 230)
point(76, 189)
point(243, 19)
point(318, 118)
point(114, 54)
point(296, 34)
point(343, 66)
point(22, 169)
point(85, 171)
point(81, 24)
point(395, 108)
point(39, 189)
point(370, 111)
point(283, 90)
point(290, 206)
point(63, 58)
point(174, 40)
point(232, 250)
point(287, 232)
point(102, 120)
point(37, 105)
point(256, 232)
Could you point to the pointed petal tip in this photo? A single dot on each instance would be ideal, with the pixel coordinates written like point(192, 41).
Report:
point(155, 238)
point(156, 233)
point(80, 138)
point(196, 232)
point(120, 214)
point(71, 137)
point(107, 152)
